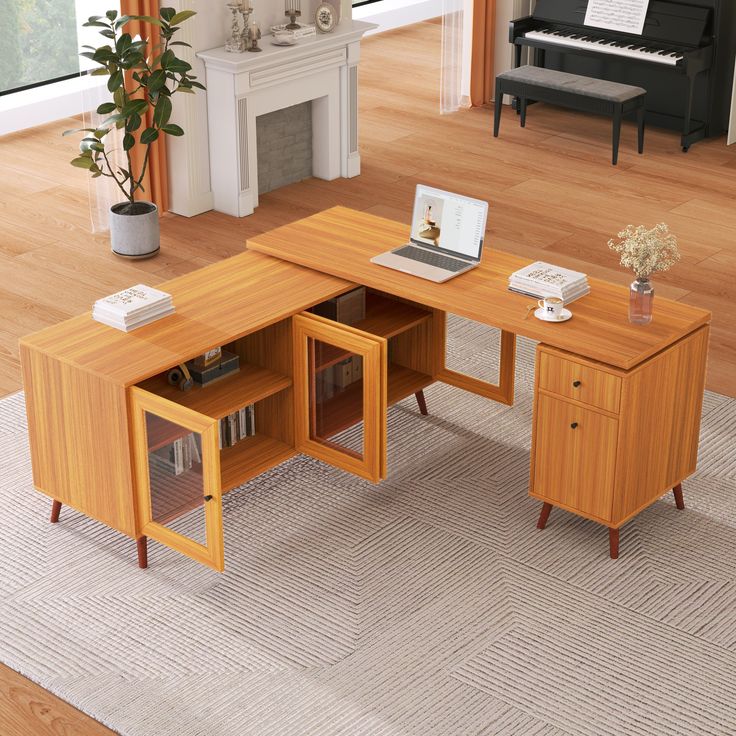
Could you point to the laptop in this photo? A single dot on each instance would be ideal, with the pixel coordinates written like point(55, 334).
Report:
point(447, 233)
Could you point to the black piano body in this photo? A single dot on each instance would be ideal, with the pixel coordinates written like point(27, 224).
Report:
point(691, 94)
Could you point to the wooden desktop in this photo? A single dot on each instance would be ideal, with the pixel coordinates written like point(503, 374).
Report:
point(617, 406)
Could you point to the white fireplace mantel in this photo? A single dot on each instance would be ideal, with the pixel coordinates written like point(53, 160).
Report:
point(322, 69)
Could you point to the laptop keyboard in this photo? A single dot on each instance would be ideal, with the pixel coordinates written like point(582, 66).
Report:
point(432, 259)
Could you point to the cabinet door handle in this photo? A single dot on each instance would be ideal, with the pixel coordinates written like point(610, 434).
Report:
point(208, 498)
point(576, 384)
point(574, 425)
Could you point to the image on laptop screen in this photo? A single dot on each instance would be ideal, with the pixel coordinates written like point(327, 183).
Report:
point(450, 222)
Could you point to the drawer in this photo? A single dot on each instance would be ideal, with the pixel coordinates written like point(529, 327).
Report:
point(573, 380)
point(574, 457)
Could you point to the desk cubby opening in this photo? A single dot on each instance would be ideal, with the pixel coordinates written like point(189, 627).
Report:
point(272, 443)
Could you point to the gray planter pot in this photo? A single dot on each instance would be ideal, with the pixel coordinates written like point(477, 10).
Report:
point(134, 234)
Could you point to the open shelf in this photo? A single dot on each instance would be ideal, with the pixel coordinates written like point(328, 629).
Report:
point(346, 408)
point(383, 318)
point(250, 457)
point(216, 400)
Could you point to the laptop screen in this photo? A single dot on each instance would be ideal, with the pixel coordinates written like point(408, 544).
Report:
point(450, 222)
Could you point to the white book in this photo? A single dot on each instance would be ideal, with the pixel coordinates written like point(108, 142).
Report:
point(547, 276)
point(154, 309)
point(134, 325)
point(243, 422)
point(131, 301)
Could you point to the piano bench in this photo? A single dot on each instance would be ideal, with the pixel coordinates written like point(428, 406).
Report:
point(586, 94)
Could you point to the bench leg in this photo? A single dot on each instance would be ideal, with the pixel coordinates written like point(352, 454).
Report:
point(523, 112)
point(497, 108)
point(640, 128)
point(616, 133)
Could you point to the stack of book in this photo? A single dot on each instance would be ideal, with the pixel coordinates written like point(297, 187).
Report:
point(132, 308)
point(237, 426)
point(542, 280)
point(304, 31)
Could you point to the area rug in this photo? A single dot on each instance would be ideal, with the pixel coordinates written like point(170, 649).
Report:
point(428, 605)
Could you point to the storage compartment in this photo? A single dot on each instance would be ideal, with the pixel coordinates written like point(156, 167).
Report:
point(574, 457)
point(579, 381)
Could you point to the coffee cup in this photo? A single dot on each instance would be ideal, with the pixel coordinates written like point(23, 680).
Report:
point(552, 307)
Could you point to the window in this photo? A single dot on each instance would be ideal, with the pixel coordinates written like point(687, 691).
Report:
point(41, 40)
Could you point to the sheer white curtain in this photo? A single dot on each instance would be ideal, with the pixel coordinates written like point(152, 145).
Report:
point(103, 191)
point(457, 25)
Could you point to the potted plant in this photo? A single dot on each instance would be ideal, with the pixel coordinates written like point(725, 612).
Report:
point(645, 251)
point(142, 81)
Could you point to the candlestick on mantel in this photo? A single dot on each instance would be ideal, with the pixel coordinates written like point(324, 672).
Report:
point(294, 11)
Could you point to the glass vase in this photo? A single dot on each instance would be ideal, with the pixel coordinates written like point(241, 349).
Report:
point(641, 301)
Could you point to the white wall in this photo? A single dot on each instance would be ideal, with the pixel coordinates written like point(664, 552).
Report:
point(506, 11)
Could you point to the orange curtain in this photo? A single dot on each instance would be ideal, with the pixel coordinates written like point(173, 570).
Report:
point(156, 180)
point(481, 55)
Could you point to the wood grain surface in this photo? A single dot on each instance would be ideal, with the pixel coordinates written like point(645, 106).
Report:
point(600, 328)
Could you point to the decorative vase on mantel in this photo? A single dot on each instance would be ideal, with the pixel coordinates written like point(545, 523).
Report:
point(645, 251)
point(641, 301)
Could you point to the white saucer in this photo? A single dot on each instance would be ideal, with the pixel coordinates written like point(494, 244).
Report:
point(566, 314)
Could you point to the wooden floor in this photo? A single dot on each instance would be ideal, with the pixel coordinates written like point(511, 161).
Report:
point(553, 192)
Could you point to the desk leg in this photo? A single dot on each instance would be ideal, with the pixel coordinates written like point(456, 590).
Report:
point(422, 402)
point(544, 515)
point(613, 535)
point(679, 500)
point(504, 391)
point(55, 510)
point(142, 544)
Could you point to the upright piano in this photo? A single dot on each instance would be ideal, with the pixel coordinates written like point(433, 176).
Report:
point(684, 57)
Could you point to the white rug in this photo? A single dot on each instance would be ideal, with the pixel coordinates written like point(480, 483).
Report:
point(428, 605)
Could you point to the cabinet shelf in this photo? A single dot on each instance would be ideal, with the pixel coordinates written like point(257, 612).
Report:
point(345, 409)
point(384, 318)
point(250, 384)
point(251, 457)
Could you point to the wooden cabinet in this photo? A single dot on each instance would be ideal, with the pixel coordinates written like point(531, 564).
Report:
point(575, 456)
point(346, 376)
point(317, 386)
point(608, 442)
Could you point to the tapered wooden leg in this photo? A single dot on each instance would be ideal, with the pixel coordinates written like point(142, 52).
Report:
point(679, 500)
point(422, 402)
point(142, 544)
point(544, 515)
point(613, 543)
point(55, 510)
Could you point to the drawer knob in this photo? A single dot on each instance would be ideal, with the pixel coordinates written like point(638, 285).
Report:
point(574, 425)
point(208, 498)
point(576, 384)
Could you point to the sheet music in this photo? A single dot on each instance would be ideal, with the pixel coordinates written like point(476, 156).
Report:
point(627, 16)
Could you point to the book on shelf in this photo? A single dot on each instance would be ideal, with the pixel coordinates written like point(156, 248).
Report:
point(237, 426)
point(134, 307)
point(540, 280)
point(347, 308)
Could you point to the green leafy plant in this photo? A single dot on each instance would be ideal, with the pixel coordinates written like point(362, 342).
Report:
point(140, 80)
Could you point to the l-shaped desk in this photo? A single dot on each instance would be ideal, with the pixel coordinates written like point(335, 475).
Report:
point(616, 406)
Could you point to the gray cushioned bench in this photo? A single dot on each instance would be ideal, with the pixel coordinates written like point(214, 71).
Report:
point(571, 90)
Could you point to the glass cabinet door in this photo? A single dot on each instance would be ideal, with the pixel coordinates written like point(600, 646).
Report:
point(340, 393)
point(177, 463)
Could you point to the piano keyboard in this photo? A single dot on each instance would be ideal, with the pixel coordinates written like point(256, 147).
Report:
point(606, 46)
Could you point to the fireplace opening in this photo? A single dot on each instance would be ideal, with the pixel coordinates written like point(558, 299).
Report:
point(284, 142)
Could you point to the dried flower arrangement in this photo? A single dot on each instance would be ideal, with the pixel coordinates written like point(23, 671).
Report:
point(646, 251)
